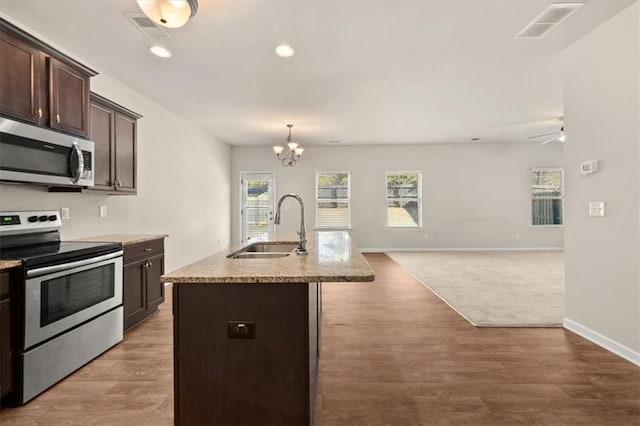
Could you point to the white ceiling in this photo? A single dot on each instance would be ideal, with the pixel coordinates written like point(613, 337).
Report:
point(365, 72)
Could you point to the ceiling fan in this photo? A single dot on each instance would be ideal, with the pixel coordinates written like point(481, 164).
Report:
point(551, 137)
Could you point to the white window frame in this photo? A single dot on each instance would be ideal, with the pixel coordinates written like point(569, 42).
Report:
point(386, 199)
point(561, 197)
point(348, 200)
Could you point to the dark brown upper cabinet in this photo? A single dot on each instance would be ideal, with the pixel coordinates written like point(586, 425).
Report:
point(41, 85)
point(113, 130)
point(21, 68)
point(68, 98)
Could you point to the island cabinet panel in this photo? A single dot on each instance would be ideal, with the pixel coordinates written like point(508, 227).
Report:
point(264, 376)
point(142, 290)
point(8, 337)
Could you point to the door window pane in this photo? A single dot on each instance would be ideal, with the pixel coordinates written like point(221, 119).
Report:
point(258, 210)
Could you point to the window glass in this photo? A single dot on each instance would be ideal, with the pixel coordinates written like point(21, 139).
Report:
point(333, 200)
point(547, 197)
point(404, 201)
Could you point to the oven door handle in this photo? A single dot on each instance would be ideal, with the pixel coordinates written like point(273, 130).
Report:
point(55, 268)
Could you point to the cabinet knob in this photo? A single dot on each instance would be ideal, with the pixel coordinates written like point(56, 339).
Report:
point(38, 112)
point(57, 118)
point(118, 184)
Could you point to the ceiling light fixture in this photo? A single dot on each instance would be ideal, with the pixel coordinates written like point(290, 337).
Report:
point(160, 51)
point(295, 151)
point(285, 51)
point(169, 13)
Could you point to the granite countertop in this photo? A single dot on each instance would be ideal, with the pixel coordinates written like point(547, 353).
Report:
point(8, 264)
point(333, 257)
point(124, 239)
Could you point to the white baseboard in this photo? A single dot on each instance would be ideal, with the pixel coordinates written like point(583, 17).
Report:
point(603, 341)
point(422, 249)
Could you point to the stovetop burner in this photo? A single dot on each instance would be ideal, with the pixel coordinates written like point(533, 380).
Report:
point(34, 238)
point(57, 252)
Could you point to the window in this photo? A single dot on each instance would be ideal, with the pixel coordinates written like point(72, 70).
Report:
point(546, 197)
point(404, 199)
point(333, 200)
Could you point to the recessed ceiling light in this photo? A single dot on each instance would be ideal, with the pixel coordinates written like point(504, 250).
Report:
point(160, 51)
point(285, 51)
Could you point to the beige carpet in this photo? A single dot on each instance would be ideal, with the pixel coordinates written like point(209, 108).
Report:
point(494, 289)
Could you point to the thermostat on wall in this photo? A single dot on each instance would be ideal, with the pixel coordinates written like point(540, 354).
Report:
point(589, 167)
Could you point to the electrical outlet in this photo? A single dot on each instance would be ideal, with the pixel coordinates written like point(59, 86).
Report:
point(241, 330)
point(596, 208)
point(103, 211)
point(64, 213)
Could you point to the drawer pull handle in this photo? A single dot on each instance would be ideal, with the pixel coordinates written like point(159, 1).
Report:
point(148, 249)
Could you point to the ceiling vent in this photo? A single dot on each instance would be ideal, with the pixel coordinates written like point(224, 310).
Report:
point(147, 26)
point(549, 18)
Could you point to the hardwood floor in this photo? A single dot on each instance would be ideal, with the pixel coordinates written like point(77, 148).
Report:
point(392, 353)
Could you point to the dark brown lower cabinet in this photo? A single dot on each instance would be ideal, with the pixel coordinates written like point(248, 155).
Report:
point(8, 337)
point(245, 353)
point(142, 291)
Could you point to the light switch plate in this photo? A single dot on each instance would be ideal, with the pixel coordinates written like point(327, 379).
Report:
point(103, 211)
point(64, 213)
point(596, 208)
point(589, 167)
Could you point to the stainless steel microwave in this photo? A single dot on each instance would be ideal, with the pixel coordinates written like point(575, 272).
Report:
point(34, 154)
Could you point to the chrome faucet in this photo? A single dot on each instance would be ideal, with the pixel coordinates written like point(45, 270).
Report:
point(302, 248)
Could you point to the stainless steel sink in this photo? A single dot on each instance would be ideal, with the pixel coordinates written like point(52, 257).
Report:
point(265, 250)
point(270, 246)
point(254, 255)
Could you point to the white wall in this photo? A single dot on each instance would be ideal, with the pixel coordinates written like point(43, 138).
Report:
point(183, 185)
point(474, 195)
point(602, 121)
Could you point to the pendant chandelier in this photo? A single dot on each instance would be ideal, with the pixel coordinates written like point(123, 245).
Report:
point(295, 151)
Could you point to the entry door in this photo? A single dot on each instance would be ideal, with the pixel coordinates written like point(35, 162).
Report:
point(257, 208)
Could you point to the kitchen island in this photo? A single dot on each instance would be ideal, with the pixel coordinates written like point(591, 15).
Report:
point(247, 332)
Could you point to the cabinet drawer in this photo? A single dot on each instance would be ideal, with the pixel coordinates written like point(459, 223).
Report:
point(133, 252)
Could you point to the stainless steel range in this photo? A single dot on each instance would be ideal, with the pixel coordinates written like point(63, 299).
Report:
point(71, 298)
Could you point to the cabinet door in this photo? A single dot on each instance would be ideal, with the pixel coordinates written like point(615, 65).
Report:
point(68, 99)
point(134, 293)
point(101, 133)
point(155, 289)
point(21, 71)
point(125, 140)
point(7, 337)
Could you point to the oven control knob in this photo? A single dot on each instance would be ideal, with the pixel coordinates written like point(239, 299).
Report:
point(53, 218)
point(33, 219)
point(43, 218)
